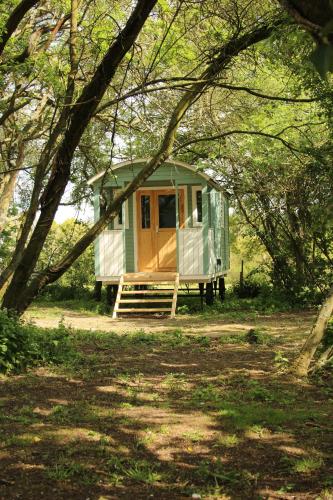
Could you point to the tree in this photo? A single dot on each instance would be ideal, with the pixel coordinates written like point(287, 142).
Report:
point(18, 297)
point(77, 118)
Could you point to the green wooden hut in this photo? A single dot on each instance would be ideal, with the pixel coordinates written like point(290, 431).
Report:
point(155, 234)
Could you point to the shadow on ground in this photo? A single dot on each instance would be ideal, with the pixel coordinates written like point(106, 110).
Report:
point(170, 416)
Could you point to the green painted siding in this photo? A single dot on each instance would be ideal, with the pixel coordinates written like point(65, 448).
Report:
point(226, 233)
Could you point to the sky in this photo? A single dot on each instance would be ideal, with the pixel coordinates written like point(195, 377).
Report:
point(86, 213)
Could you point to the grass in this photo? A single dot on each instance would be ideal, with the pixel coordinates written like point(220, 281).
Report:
point(308, 465)
point(165, 414)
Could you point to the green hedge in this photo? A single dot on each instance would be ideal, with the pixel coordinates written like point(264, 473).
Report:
point(23, 345)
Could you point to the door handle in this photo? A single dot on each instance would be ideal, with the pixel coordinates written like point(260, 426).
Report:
point(156, 228)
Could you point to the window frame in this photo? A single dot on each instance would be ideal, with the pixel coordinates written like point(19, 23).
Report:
point(195, 189)
point(125, 224)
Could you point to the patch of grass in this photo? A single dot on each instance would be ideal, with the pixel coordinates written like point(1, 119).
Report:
point(143, 471)
point(236, 338)
point(228, 440)
point(215, 472)
point(203, 341)
point(206, 394)
point(136, 470)
point(308, 465)
point(175, 382)
point(75, 413)
point(257, 337)
point(71, 470)
point(242, 416)
point(193, 436)
point(148, 438)
point(21, 440)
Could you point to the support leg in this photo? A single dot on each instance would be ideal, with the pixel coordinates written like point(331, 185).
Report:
point(114, 292)
point(209, 294)
point(98, 291)
point(215, 287)
point(109, 295)
point(202, 290)
point(221, 289)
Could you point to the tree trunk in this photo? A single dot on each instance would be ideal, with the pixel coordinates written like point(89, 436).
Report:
point(302, 363)
point(8, 184)
point(6, 196)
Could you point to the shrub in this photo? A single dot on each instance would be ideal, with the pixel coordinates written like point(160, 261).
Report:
point(23, 345)
point(13, 343)
point(248, 289)
point(57, 292)
point(256, 337)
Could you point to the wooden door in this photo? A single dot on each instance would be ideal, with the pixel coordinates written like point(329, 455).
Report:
point(146, 231)
point(157, 242)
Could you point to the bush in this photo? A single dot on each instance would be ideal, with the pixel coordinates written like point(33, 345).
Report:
point(23, 345)
point(59, 292)
point(247, 290)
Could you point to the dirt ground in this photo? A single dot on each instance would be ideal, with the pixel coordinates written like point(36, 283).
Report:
point(175, 409)
point(295, 325)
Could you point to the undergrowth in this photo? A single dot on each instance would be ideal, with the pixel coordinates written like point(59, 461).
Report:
point(23, 345)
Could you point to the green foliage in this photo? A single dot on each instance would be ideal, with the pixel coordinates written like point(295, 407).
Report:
point(81, 273)
point(328, 336)
point(254, 336)
point(23, 345)
point(136, 470)
point(246, 289)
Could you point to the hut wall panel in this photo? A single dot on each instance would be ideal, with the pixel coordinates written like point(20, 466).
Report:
point(211, 251)
point(111, 253)
point(191, 251)
point(129, 238)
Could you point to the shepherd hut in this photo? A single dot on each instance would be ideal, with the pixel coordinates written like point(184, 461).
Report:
point(173, 229)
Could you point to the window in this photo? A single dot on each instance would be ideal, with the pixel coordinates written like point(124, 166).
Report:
point(119, 221)
point(197, 205)
point(145, 211)
point(167, 210)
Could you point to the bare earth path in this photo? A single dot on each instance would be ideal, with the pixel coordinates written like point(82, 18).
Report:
point(295, 325)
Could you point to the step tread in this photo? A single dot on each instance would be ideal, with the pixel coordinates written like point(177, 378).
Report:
point(141, 301)
point(148, 309)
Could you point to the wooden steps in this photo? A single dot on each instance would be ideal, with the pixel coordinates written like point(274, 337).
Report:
point(134, 279)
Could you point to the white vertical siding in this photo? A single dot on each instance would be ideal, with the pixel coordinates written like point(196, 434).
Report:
point(211, 251)
point(111, 253)
point(190, 251)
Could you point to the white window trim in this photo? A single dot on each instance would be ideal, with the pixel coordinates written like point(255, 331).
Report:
point(116, 224)
point(195, 189)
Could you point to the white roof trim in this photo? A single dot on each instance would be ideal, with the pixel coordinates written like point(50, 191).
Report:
point(178, 163)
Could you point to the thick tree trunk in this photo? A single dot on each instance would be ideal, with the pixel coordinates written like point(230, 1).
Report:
point(303, 361)
point(20, 302)
point(8, 183)
point(7, 187)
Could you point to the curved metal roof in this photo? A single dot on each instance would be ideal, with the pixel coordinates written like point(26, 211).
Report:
point(139, 161)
